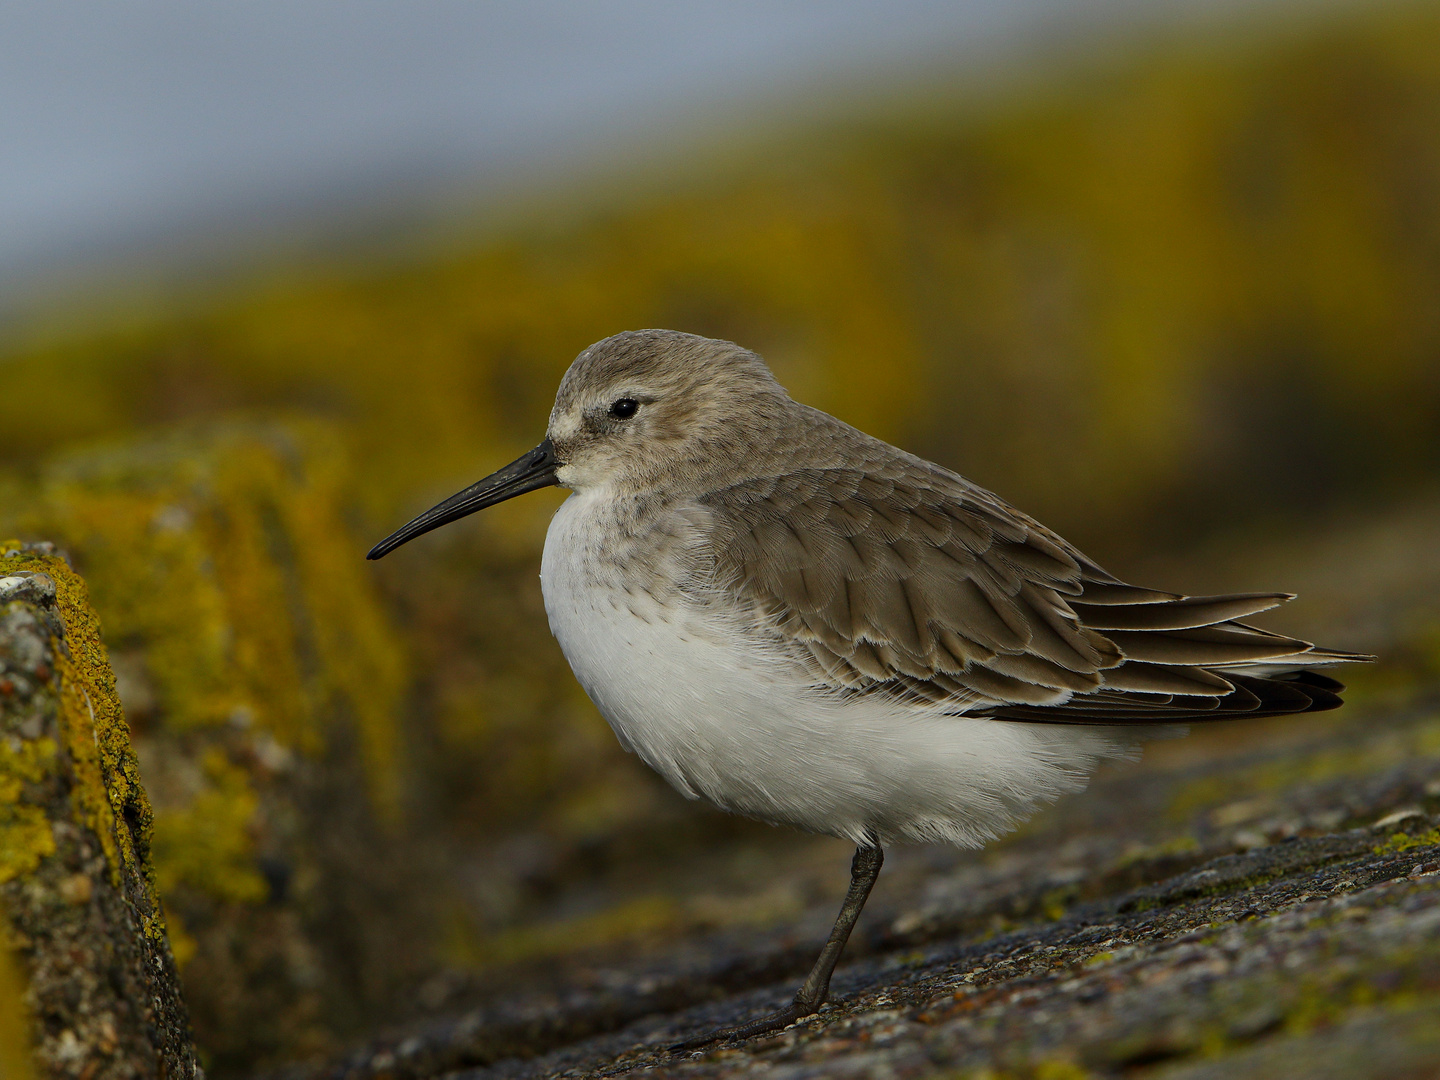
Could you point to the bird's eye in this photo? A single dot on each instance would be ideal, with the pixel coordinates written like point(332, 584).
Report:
point(624, 408)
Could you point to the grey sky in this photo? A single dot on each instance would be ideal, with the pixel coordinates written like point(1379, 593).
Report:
point(126, 121)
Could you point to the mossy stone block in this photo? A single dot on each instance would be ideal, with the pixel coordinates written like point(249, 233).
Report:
point(91, 961)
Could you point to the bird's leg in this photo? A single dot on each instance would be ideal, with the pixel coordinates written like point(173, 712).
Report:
point(864, 869)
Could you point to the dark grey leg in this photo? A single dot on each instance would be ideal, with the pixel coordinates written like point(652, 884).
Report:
point(864, 869)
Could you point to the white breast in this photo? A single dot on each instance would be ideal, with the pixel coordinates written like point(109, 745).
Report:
point(719, 715)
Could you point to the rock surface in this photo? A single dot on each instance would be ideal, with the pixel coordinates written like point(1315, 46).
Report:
point(1260, 900)
point(77, 900)
point(262, 686)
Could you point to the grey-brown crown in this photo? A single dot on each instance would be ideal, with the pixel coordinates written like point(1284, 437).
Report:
point(664, 358)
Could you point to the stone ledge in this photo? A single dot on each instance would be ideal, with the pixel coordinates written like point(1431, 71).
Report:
point(1085, 949)
point(77, 903)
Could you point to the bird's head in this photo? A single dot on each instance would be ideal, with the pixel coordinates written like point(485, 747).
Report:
point(639, 411)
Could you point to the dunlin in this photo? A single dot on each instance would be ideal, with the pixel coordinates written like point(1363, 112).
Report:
point(805, 625)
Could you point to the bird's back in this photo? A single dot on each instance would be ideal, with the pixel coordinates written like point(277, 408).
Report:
point(899, 577)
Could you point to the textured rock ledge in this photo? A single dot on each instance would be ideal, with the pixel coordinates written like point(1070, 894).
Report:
point(1271, 911)
point(91, 964)
point(262, 686)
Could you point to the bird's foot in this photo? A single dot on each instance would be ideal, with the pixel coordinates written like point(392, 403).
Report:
point(766, 1025)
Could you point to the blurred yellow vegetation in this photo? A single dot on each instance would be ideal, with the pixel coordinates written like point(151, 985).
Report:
point(1218, 259)
point(222, 556)
point(1247, 793)
point(250, 644)
point(1142, 298)
point(206, 844)
point(15, 1061)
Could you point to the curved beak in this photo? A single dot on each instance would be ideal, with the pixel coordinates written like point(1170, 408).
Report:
point(530, 471)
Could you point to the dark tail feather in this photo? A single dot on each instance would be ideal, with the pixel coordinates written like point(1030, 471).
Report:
point(1253, 696)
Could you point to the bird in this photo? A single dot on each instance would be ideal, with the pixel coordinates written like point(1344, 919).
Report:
point(806, 625)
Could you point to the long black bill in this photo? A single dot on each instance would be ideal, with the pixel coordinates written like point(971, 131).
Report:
point(527, 473)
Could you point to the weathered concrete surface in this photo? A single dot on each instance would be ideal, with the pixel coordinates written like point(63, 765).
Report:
point(1262, 900)
point(77, 903)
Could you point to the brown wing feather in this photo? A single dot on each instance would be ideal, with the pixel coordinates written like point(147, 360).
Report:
point(1182, 613)
point(916, 583)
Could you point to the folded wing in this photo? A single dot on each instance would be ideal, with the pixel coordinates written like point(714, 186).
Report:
point(924, 586)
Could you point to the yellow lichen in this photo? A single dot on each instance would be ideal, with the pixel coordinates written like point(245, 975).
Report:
point(95, 737)
point(1054, 903)
point(183, 945)
point(225, 559)
point(1044, 1069)
point(1402, 842)
point(25, 833)
point(207, 845)
point(1166, 849)
point(1231, 795)
point(15, 1063)
point(643, 916)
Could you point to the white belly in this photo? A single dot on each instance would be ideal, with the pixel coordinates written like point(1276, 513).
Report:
point(710, 710)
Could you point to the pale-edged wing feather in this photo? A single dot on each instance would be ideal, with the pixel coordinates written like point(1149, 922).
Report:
point(912, 582)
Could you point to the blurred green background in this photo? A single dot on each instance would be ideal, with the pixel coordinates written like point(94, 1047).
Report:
point(1178, 296)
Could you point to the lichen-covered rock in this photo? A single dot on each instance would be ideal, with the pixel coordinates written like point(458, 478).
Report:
point(263, 684)
point(77, 899)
